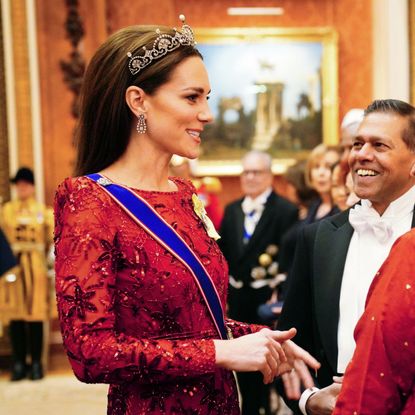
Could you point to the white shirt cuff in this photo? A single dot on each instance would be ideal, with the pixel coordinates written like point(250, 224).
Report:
point(305, 396)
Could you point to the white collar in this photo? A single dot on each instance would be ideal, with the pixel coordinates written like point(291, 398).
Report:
point(260, 199)
point(399, 207)
point(257, 205)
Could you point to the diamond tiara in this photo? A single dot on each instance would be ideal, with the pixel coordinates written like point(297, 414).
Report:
point(162, 45)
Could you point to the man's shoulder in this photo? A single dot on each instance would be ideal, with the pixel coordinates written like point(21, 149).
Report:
point(337, 220)
point(331, 223)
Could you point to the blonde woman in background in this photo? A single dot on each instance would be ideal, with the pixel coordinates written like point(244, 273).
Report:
point(318, 176)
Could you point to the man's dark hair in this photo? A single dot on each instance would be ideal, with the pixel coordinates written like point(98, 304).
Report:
point(400, 108)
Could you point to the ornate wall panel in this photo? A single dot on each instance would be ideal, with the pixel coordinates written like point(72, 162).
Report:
point(353, 22)
point(22, 82)
point(57, 121)
point(4, 146)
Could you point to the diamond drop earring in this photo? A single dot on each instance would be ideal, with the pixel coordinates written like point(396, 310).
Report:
point(141, 124)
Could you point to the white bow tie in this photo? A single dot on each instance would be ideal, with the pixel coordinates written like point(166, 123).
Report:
point(363, 219)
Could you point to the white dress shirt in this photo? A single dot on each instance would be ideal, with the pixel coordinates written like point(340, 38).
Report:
point(365, 256)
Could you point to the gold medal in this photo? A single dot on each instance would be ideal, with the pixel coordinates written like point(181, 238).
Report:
point(272, 250)
point(265, 259)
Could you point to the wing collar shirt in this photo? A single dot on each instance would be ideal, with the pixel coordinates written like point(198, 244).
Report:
point(370, 245)
point(253, 209)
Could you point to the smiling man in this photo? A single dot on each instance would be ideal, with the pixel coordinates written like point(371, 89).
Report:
point(337, 259)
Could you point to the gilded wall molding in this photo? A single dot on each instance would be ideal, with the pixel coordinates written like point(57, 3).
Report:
point(4, 145)
point(22, 82)
point(73, 69)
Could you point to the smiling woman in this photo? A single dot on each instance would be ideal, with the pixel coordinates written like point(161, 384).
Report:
point(176, 113)
point(140, 281)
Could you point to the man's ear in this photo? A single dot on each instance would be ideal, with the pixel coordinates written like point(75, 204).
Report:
point(412, 172)
point(135, 97)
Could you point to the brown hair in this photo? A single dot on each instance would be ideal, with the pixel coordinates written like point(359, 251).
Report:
point(402, 109)
point(104, 126)
point(316, 154)
point(295, 175)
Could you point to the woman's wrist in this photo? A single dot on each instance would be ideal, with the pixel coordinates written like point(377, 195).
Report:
point(221, 352)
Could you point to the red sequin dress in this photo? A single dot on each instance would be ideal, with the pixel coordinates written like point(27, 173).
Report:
point(380, 379)
point(131, 314)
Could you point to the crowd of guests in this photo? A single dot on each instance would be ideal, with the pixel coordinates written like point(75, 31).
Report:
point(353, 202)
point(259, 234)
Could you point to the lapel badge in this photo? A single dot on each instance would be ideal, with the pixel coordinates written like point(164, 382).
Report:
point(272, 250)
point(265, 259)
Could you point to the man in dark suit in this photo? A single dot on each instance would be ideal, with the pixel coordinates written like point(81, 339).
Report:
point(336, 259)
point(250, 234)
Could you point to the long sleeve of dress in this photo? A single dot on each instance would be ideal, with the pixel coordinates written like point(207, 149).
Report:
point(380, 379)
point(88, 262)
point(239, 329)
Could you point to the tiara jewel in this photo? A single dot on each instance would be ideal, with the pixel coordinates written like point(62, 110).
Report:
point(162, 45)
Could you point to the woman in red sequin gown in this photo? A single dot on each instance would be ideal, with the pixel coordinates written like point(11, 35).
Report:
point(380, 379)
point(131, 314)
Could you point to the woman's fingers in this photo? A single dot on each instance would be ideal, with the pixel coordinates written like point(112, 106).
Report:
point(277, 352)
point(266, 372)
point(282, 336)
point(274, 355)
point(270, 370)
point(273, 363)
point(277, 348)
point(270, 352)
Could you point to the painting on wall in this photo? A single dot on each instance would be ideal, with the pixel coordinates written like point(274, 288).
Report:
point(272, 90)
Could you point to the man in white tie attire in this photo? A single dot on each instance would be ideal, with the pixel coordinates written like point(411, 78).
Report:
point(252, 227)
point(337, 259)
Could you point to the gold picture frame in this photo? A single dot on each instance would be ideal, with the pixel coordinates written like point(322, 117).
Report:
point(257, 75)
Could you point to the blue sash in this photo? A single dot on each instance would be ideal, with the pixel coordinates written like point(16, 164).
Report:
point(144, 214)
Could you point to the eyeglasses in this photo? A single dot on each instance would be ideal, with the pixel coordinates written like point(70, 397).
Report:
point(254, 172)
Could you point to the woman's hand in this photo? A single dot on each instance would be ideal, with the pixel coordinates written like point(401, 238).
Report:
point(269, 352)
point(261, 351)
